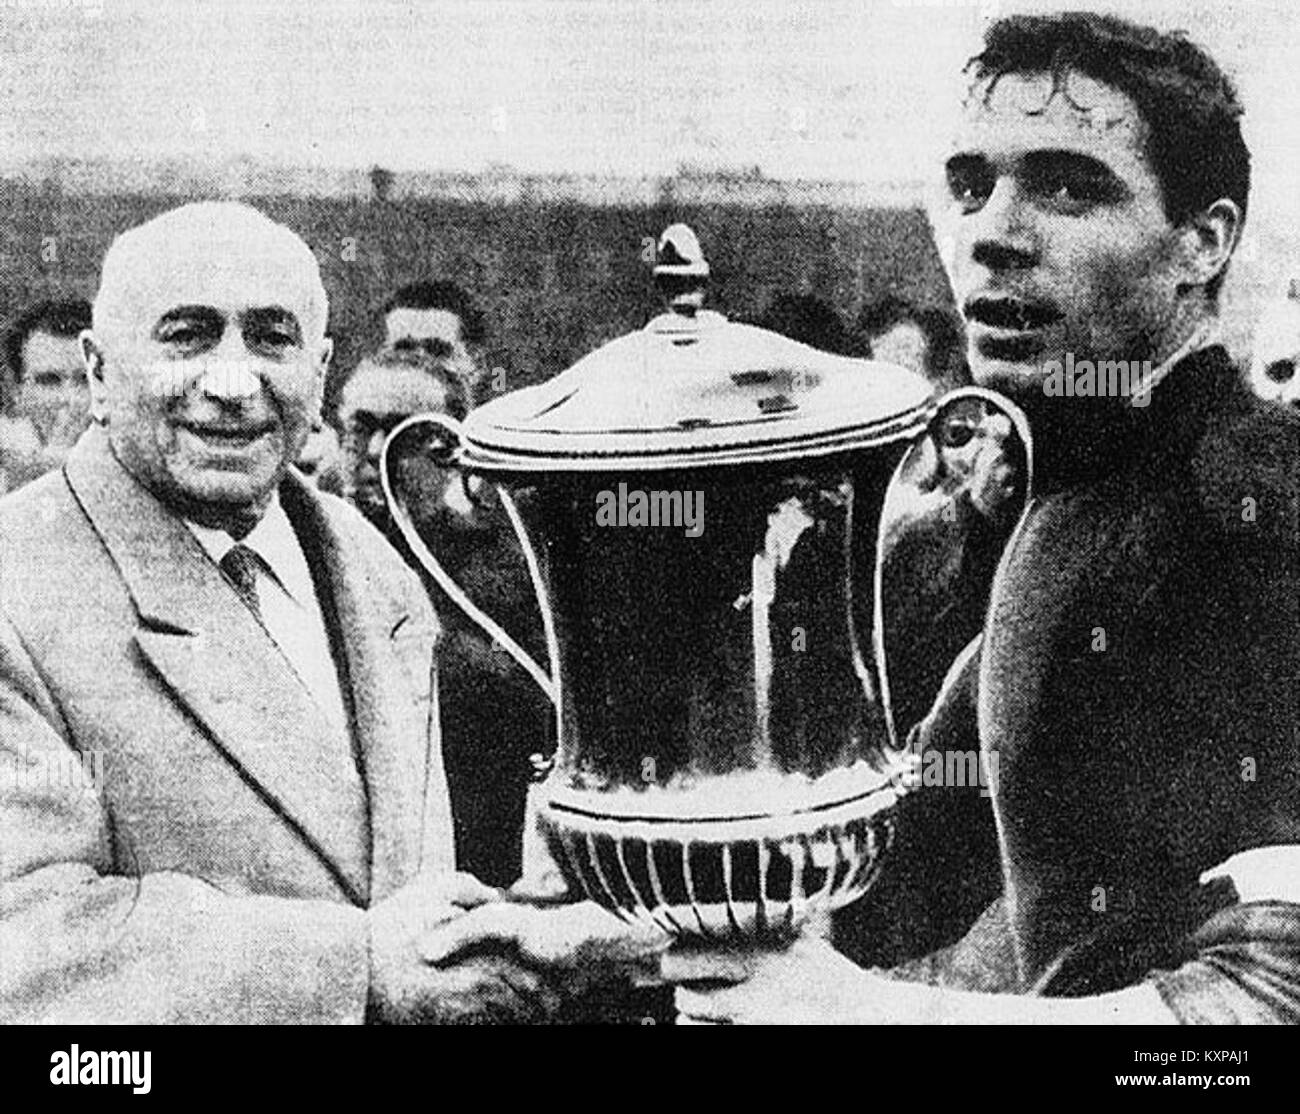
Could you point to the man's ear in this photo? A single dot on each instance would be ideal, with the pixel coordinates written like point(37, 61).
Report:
point(324, 356)
point(473, 377)
point(1209, 238)
point(93, 356)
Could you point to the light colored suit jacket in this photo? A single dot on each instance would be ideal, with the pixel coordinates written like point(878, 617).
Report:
point(217, 866)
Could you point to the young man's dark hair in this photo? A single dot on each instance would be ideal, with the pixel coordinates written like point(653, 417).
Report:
point(1193, 115)
point(943, 339)
point(441, 295)
point(59, 317)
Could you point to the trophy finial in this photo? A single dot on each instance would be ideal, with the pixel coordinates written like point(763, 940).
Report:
point(681, 271)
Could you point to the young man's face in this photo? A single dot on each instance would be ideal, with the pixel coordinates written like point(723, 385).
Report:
point(53, 391)
point(1054, 232)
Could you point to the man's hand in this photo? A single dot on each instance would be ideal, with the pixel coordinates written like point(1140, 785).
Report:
point(406, 989)
point(809, 983)
point(575, 947)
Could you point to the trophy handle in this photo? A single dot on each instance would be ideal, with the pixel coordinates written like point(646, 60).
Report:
point(438, 437)
point(948, 515)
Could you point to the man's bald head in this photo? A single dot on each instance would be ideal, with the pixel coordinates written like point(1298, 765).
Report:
point(207, 357)
point(207, 240)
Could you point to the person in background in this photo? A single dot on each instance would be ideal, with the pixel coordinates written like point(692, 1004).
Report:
point(321, 458)
point(1274, 374)
point(381, 392)
point(809, 320)
point(923, 338)
point(437, 320)
point(493, 715)
point(45, 404)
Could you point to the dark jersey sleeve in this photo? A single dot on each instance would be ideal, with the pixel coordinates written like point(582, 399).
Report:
point(1242, 967)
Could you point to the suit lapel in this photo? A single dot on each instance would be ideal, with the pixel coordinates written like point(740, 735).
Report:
point(224, 669)
point(388, 663)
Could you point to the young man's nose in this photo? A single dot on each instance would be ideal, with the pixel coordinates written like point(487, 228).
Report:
point(1002, 233)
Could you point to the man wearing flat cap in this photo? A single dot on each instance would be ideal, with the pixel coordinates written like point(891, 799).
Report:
point(221, 792)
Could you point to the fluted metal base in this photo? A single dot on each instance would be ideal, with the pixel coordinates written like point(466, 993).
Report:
point(717, 878)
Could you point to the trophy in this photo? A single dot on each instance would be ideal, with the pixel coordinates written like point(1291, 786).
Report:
point(699, 507)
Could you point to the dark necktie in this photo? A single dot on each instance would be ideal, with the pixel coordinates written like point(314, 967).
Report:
point(241, 564)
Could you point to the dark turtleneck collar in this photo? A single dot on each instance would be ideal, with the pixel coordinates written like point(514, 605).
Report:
point(1080, 442)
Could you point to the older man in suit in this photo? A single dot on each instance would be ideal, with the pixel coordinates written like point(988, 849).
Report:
point(221, 794)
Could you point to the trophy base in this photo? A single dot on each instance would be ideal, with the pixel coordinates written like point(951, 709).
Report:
point(753, 877)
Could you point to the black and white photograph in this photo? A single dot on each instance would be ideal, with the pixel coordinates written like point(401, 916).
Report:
point(658, 513)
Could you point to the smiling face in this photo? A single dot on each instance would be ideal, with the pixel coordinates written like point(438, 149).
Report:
point(209, 372)
point(1054, 232)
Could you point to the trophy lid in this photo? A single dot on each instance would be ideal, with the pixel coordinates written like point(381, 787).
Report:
point(693, 389)
point(690, 391)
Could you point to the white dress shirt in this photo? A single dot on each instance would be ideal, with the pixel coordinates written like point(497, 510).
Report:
point(287, 602)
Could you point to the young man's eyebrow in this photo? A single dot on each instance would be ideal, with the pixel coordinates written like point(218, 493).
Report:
point(1075, 162)
point(1037, 162)
point(965, 160)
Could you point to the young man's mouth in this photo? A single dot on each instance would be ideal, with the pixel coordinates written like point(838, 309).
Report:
point(999, 313)
point(1007, 328)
